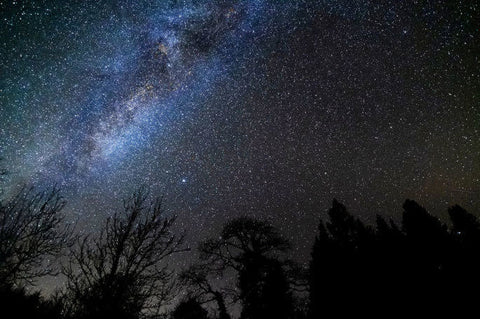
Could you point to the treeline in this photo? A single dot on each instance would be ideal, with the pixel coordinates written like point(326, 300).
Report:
point(418, 266)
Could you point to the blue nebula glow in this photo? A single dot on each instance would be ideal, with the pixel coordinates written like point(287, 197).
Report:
point(136, 78)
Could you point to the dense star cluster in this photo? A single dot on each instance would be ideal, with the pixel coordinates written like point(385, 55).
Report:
point(259, 108)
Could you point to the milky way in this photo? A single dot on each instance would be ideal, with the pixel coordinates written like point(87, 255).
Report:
point(123, 76)
point(262, 108)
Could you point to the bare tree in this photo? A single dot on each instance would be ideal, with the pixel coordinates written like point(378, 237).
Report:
point(122, 272)
point(200, 288)
point(32, 235)
point(242, 238)
point(253, 250)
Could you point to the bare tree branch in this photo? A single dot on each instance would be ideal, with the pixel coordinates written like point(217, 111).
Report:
point(125, 265)
point(32, 235)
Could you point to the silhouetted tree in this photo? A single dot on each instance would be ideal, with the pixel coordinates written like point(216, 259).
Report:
point(32, 235)
point(466, 227)
point(465, 260)
point(427, 235)
point(240, 239)
point(264, 289)
point(196, 280)
point(428, 254)
point(252, 247)
point(389, 264)
point(189, 309)
point(340, 263)
point(121, 273)
point(18, 303)
point(357, 270)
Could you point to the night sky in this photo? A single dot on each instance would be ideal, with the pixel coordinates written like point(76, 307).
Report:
point(260, 108)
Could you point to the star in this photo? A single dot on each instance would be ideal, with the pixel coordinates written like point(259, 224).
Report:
point(261, 108)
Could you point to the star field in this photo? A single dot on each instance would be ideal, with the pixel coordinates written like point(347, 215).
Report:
point(259, 108)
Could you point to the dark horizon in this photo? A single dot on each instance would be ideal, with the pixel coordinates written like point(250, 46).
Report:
point(247, 270)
